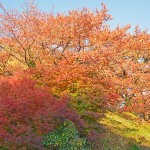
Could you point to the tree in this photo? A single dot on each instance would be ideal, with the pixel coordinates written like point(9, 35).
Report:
point(79, 55)
point(28, 112)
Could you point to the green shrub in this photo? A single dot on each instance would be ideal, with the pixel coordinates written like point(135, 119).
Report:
point(133, 146)
point(66, 138)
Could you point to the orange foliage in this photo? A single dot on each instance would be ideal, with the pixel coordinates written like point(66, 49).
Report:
point(78, 53)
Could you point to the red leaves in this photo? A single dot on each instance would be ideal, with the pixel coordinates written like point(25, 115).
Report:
point(75, 54)
point(28, 112)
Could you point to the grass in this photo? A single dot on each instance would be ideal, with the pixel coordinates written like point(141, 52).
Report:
point(125, 132)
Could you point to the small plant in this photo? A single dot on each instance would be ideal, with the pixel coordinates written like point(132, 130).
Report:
point(133, 146)
point(66, 138)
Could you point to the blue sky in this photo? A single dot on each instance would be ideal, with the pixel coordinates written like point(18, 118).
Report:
point(123, 11)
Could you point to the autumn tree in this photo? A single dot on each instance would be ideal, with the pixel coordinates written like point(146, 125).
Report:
point(78, 54)
point(28, 112)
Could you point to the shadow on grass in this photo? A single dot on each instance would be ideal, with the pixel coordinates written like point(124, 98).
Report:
point(123, 132)
point(108, 140)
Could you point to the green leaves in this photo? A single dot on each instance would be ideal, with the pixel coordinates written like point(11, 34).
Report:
point(66, 138)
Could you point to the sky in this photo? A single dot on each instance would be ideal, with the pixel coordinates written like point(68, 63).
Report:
point(134, 12)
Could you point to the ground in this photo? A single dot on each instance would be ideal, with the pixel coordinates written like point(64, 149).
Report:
point(125, 131)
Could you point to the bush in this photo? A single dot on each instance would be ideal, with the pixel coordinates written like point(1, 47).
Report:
point(66, 138)
point(28, 112)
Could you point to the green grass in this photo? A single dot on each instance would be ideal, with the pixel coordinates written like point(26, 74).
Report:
point(124, 128)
